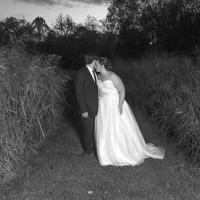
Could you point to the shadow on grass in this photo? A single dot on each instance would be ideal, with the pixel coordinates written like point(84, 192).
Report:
point(71, 112)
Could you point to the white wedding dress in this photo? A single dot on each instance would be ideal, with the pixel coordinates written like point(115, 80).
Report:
point(119, 140)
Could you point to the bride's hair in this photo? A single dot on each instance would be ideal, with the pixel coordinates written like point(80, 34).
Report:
point(105, 62)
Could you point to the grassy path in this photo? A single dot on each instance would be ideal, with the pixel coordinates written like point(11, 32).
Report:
point(58, 172)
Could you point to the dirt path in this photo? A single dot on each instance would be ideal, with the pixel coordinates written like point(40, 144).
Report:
point(58, 172)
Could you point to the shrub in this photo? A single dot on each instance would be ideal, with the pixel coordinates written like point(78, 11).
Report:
point(169, 89)
point(30, 94)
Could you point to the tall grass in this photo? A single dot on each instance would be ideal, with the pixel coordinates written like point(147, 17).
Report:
point(169, 90)
point(31, 90)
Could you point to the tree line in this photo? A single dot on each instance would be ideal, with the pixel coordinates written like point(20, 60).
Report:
point(131, 28)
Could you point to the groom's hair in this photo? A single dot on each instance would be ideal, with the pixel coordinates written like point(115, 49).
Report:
point(90, 57)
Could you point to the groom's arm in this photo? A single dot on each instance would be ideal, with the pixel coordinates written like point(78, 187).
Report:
point(79, 87)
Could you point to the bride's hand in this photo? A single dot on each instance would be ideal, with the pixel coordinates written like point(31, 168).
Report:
point(120, 109)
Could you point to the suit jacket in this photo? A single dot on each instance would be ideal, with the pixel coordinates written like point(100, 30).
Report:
point(86, 92)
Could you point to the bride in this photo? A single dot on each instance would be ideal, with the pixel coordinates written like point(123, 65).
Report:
point(119, 140)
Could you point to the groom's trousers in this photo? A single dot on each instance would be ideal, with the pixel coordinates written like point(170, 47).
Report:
point(88, 134)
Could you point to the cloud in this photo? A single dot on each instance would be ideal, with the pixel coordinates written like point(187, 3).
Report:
point(47, 2)
point(67, 3)
point(93, 1)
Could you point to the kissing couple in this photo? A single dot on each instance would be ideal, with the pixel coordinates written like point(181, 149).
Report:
point(110, 129)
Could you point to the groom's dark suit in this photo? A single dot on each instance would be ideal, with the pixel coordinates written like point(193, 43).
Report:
point(87, 96)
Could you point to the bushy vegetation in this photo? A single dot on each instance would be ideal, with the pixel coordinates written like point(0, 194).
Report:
point(169, 90)
point(130, 28)
point(30, 94)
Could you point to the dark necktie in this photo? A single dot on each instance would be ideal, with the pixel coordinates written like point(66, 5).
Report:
point(95, 79)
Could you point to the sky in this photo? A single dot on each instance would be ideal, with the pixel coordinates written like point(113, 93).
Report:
point(50, 9)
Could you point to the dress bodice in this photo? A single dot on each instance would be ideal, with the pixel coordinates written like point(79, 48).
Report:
point(106, 88)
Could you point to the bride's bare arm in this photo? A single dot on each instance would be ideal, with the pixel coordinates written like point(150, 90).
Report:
point(121, 89)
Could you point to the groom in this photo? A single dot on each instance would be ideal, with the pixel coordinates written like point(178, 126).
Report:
point(87, 96)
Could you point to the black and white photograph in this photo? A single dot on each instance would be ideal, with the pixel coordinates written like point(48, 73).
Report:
point(99, 100)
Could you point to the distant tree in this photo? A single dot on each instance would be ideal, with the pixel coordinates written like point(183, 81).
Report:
point(171, 25)
point(123, 11)
point(3, 36)
point(80, 31)
point(123, 20)
point(40, 29)
point(64, 25)
point(12, 29)
point(92, 24)
point(174, 25)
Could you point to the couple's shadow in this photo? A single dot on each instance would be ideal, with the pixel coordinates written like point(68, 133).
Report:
point(71, 114)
